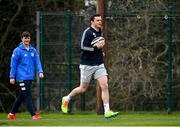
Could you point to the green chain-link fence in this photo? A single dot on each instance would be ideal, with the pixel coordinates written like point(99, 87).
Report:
point(59, 35)
point(144, 35)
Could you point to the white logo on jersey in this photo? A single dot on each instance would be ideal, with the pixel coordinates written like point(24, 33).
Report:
point(94, 34)
point(32, 54)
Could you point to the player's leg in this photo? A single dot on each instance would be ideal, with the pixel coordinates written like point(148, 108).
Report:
point(80, 89)
point(28, 100)
point(16, 104)
point(101, 76)
point(15, 107)
point(65, 100)
point(85, 78)
point(104, 88)
point(28, 97)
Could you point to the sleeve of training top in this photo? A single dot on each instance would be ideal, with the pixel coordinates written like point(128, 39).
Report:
point(86, 41)
point(38, 63)
point(13, 64)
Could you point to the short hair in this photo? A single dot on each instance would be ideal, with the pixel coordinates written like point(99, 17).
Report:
point(92, 17)
point(25, 34)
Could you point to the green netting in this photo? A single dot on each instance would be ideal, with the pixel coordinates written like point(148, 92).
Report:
point(59, 49)
point(143, 54)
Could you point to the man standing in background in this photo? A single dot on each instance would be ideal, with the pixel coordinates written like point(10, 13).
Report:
point(24, 61)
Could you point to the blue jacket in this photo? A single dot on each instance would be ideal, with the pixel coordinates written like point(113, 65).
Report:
point(24, 62)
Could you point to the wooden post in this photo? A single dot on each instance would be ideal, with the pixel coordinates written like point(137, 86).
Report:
point(100, 9)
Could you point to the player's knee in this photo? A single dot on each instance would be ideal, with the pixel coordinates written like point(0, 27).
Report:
point(104, 86)
point(83, 89)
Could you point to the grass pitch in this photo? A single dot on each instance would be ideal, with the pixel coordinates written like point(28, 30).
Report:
point(91, 119)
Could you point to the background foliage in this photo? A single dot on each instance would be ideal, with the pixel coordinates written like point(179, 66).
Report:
point(138, 35)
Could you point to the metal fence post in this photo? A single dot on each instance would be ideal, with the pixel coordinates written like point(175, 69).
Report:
point(41, 42)
point(69, 52)
point(170, 80)
point(38, 49)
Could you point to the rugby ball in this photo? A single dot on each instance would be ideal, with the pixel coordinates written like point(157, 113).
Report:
point(97, 40)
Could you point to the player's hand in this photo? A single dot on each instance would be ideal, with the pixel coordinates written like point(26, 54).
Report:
point(100, 44)
point(41, 75)
point(12, 81)
point(103, 54)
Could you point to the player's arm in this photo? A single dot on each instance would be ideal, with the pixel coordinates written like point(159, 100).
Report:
point(86, 41)
point(13, 66)
point(38, 65)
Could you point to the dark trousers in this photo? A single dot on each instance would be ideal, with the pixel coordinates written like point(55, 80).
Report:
point(24, 95)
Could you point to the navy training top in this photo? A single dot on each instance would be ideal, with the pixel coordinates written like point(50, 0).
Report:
point(90, 55)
